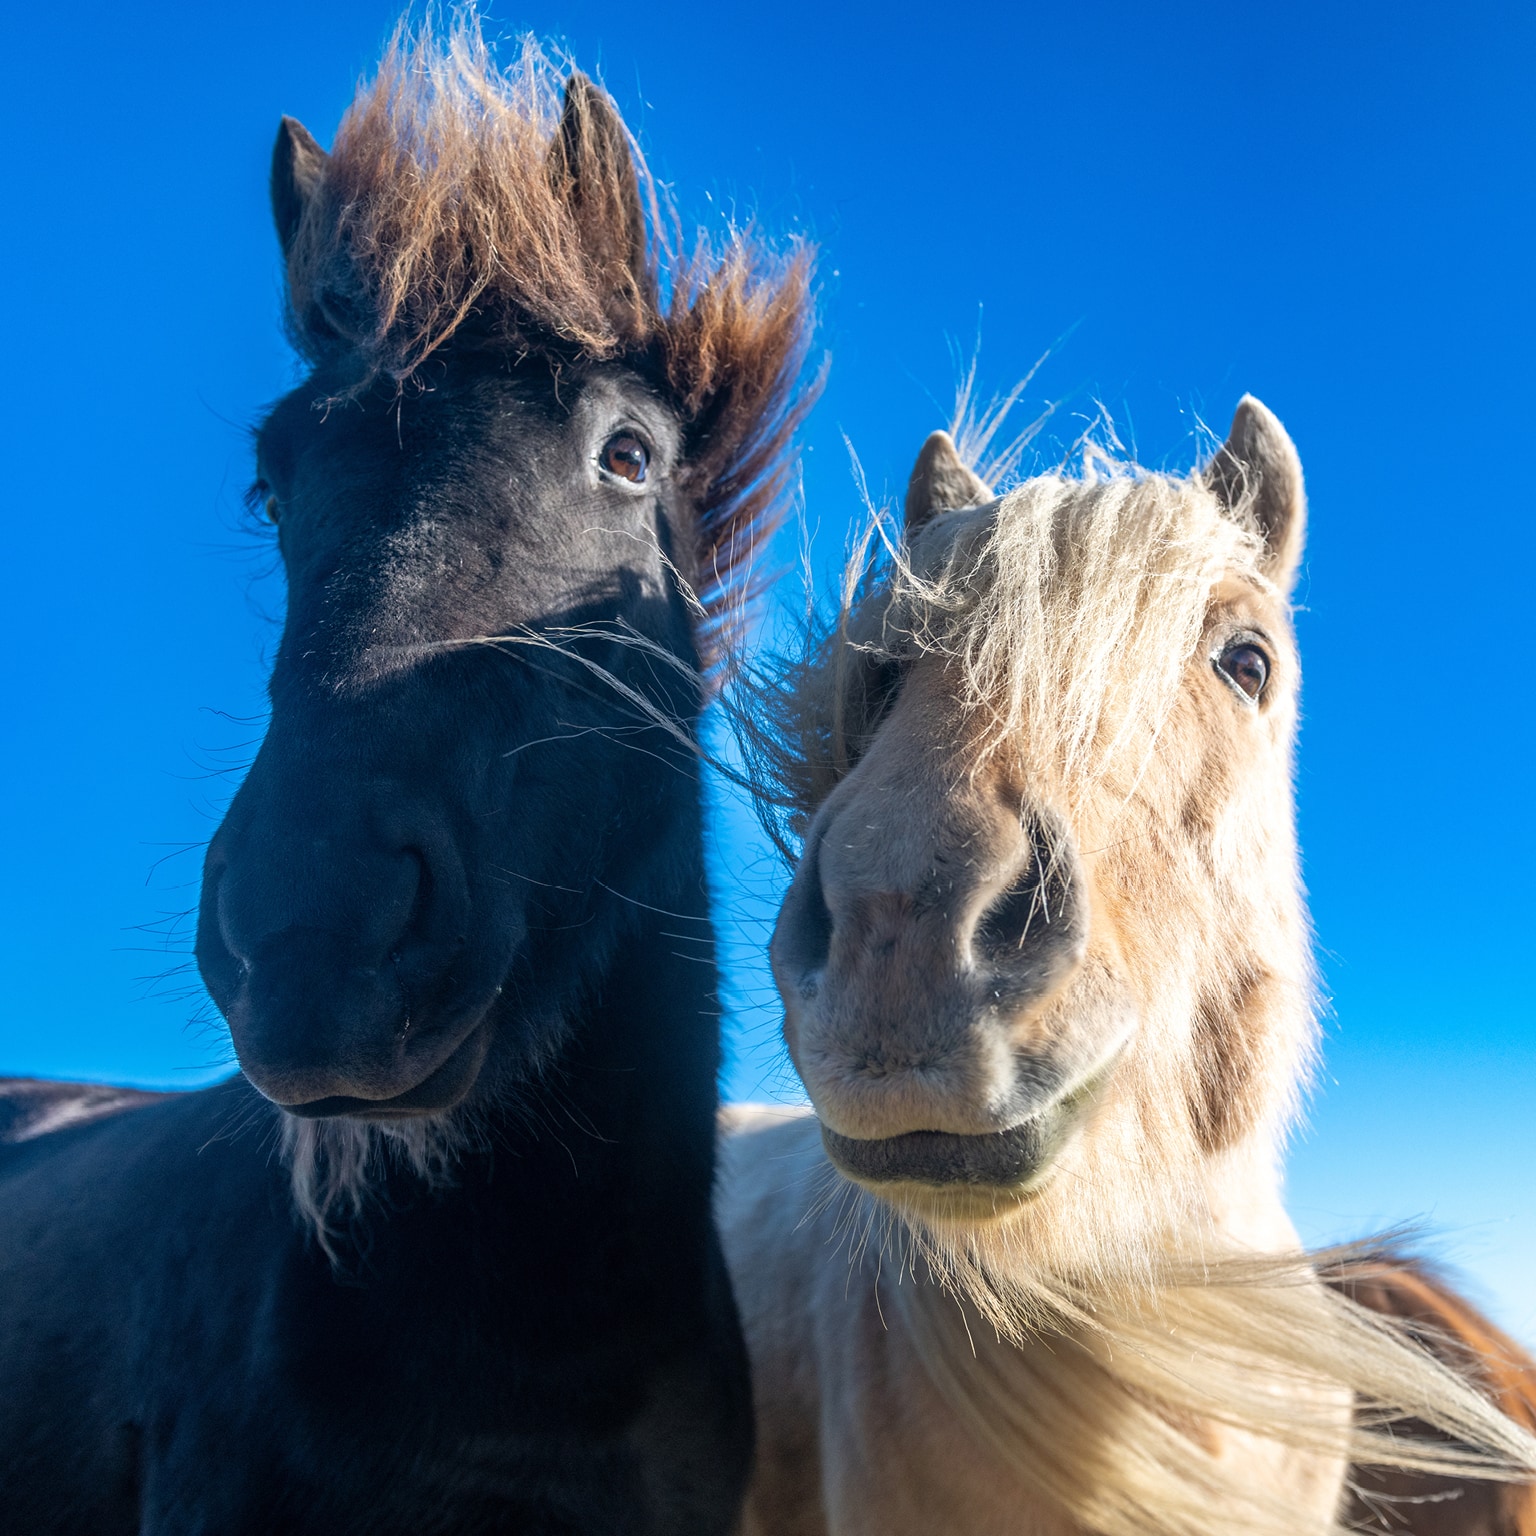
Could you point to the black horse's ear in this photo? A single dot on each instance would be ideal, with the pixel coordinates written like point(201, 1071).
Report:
point(591, 167)
point(941, 481)
point(1257, 473)
point(298, 165)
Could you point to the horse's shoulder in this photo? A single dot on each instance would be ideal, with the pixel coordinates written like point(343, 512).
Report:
point(781, 1206)
point(31, 1107)
point(752, 1119)
point(764, 1151)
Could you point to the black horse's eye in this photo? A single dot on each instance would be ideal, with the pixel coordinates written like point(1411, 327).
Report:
point(1245, 666)
point(261, 495)
point(627, 457)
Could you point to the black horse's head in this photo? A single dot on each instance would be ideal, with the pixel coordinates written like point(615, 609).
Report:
point(513, 465)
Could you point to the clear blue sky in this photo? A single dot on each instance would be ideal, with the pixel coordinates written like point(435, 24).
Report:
point(1328, 205)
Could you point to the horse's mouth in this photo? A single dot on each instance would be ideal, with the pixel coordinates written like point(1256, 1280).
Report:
point(967, 1175)
point(1003, 1160)
point(442, 1088)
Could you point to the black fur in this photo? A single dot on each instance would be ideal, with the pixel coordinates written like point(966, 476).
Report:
point(463, 883)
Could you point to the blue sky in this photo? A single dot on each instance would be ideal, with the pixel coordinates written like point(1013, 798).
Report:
point(1327, 205)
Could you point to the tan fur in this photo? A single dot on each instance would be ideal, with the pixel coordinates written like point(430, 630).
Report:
point(1132, 1342)
point(941, 481)
point(459, 206)
point(887, 1406)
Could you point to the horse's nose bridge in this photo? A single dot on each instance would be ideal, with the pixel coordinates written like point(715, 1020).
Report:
point(374, 618)
point(901, 992)
point(886, 939)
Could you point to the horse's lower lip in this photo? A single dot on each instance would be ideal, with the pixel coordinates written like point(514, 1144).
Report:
point(1002, 1160)
point(441, 1089)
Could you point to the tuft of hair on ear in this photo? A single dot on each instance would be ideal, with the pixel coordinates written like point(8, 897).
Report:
point(734, 347)
point(507, 209)
point(1256, 475)
point(298, 168)
point(941, 481)
point(593, 173)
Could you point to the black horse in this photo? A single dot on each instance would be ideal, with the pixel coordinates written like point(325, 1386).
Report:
point(441, 1259)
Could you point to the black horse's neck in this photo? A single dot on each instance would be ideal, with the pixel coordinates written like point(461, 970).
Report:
point(632, 1096)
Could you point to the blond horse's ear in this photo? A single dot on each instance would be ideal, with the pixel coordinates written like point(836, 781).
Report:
point(941, 481)
point(1257, 472)
point(298, 167)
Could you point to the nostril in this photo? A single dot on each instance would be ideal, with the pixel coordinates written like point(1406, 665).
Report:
point(1009, 921)
point(414, 940)
point(422, 950)
point(223, 967)
point(1040, 911)
point(802, 941)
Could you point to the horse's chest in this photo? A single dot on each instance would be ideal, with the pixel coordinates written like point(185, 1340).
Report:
point(385, 1408)
point(900, 1463)
point(875, 1450)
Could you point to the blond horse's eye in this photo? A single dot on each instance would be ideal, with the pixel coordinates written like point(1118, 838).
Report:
point(270, 505)
point(627, 457)
point(1245, 666)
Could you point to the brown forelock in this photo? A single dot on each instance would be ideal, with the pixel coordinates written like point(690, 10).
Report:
point(456, 207)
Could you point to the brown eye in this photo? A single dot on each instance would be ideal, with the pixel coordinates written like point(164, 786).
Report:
point(1245, 666)
point(627, 457)
point(260, 494)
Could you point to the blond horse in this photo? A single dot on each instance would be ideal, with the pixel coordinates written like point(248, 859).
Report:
point(1046, 975)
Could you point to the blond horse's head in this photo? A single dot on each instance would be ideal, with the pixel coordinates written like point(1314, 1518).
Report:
point(1045, 957)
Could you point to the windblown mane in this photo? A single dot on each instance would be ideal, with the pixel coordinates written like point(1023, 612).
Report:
point(453, 209)
point(1069, 607)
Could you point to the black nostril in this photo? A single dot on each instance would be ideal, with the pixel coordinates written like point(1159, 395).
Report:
point(1008, 923)
point(422, 952)
point(1040, 903)
point(415, 942)
point(418, 923)
point(802, 941)
point(223, 969)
